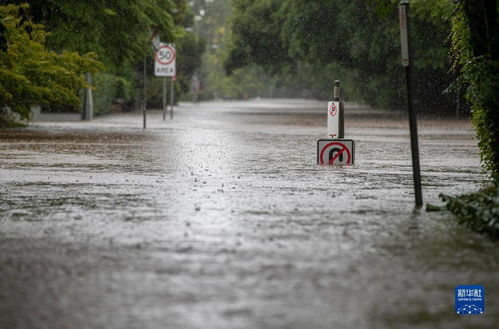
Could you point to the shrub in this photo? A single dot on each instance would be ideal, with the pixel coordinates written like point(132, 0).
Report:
point(478, 211)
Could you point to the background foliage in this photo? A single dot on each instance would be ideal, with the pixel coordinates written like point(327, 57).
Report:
point(118, 33)
point(475, 45)
point(31, 74)
point(355, 41)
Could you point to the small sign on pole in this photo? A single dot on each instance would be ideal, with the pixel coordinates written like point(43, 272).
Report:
point(334, 150)
point(333, 119)
point(165, 66)
point(404, 39)
point(165, 60)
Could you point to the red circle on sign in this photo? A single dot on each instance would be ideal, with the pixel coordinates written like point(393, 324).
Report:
point(169, 60)
point(344, 149)
point(332, 110)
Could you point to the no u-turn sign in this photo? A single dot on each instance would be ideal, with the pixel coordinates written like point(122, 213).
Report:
point(335, 151)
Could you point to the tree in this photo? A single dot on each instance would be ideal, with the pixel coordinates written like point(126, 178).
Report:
point(190, 49)
point(32, 75)
point(475, 44)
point(116, 30)
point(357, 42)
point(256, 27)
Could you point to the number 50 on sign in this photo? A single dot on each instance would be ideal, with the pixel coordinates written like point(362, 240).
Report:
point(165, 60)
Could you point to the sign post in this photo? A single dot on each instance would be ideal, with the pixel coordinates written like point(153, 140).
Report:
point(172, 85)
point(334, 150)
point(335, 120)
point(145, 91)
point(405, 36)
point(164, 99)
point(165, 66)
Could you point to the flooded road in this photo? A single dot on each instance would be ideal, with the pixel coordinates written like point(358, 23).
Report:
point(222, 219)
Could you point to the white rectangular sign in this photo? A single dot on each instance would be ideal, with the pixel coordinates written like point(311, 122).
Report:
point(404, 40)
point(165, 60)
point(333, 119)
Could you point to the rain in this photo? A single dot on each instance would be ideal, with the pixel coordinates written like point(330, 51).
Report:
point(177, 182)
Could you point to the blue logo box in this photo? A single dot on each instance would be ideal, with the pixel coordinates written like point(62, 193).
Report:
point(470, 300)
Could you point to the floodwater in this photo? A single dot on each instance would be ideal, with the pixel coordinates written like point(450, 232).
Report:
point(221, 219)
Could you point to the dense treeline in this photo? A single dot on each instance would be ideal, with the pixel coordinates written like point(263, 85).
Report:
point(475, 47)
point(115, 33)
point(312, 43)
point(308, 44)
point(456, 48)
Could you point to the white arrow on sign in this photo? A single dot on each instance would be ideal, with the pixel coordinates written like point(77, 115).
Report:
point(335, 151)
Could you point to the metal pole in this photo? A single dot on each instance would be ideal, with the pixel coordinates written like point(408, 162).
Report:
point(164, 99)
point(145, 91)
point(336, 91)
point(89, 103)
point(413, 126)
point(172, 86)
point(341, 110)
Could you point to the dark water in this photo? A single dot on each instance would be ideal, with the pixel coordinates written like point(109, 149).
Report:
point(222, 219)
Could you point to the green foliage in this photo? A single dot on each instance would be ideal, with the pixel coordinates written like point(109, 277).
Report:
point(255, 25)
point(483, 78)
point(477, 211)
point(109, 88)
point(475, 47)
point(246, 82)
point(359, 38)
point(190, 51)
point(116, 30)
point(32, 75)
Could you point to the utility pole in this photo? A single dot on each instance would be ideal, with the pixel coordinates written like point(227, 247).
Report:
point(145, 92)
point(405, 38)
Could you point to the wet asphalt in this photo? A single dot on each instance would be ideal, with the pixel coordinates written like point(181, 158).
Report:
point(221, 218)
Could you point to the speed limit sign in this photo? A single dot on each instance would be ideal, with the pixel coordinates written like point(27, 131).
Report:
point(164, 60)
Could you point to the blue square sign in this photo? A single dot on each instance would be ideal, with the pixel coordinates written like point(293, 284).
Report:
point(470, 300)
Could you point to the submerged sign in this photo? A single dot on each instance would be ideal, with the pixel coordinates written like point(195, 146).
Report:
point(333, 119)
point(335, 151)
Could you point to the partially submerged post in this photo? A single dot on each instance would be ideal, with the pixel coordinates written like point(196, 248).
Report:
point(405, 38)
point(335, 120)
point(335, 150)
point(341, 117)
